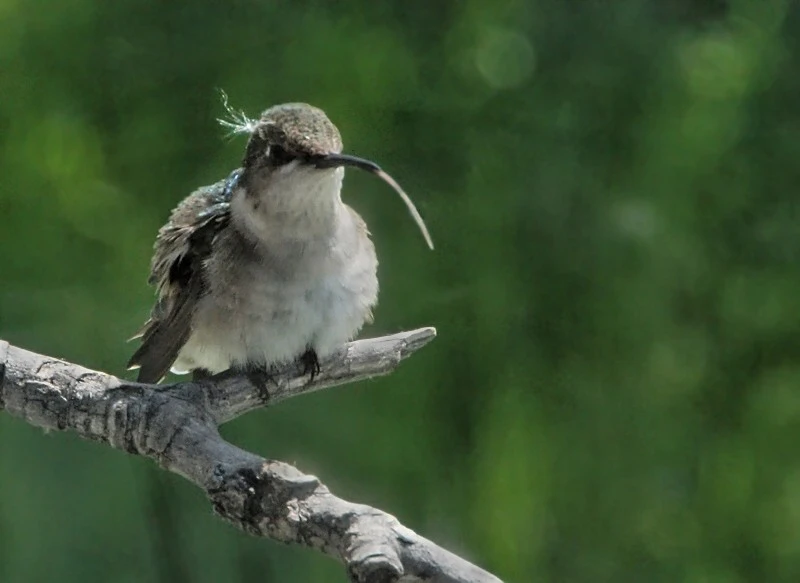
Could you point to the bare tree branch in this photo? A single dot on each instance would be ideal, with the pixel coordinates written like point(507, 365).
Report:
point(176, 425)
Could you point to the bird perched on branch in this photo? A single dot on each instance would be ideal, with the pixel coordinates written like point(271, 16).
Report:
point(268, 265)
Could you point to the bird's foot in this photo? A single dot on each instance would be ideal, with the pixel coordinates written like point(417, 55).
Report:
point(201, 374)
point(262, 377)
point(310, 363)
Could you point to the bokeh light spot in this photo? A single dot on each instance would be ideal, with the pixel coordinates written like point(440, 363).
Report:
point(715, 66)
point(504, 58)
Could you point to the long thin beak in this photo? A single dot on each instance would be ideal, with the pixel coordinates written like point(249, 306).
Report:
point(335, 160)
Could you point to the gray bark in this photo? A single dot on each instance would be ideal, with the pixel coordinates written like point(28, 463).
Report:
point(176, 426)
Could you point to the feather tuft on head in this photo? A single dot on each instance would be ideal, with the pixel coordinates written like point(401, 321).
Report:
point(236, 121)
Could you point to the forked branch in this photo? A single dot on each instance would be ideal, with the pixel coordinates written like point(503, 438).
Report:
point(176, 425)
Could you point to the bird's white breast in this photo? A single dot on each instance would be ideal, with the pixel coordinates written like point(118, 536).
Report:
point(269, 301)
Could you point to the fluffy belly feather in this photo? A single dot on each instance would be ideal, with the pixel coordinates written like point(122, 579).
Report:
point(273, 322)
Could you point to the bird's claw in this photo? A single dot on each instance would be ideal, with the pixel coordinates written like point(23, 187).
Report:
point(310, 363)
point(261, 377)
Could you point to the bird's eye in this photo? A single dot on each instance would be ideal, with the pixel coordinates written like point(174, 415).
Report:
point(279, 156)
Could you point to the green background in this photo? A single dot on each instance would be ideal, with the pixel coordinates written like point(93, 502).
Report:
point(614, 394)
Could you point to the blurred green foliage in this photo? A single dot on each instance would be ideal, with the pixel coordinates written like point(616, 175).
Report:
point(615, 391)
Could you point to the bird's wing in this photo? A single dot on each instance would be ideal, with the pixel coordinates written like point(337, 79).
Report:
point(177, 271)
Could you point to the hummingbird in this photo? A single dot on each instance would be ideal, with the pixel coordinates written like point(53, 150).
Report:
point(268, 265)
